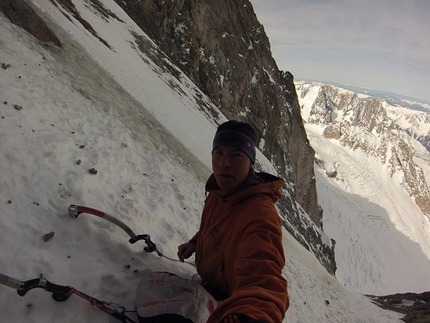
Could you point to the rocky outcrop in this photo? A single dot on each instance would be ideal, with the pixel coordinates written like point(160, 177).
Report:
point(414, 119)
point(22, 14)
point(416, 307)
point(223, 49)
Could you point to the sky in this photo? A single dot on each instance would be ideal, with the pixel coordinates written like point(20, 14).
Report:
point(67, 111)
point(381, 45)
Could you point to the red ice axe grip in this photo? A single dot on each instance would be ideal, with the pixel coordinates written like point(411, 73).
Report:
point(75, 210)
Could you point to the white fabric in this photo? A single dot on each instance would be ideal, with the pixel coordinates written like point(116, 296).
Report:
point(165, 293)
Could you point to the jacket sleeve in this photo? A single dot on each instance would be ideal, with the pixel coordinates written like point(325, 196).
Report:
point(195, 238)
point(261, 290)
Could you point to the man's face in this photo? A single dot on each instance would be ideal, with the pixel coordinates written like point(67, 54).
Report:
point(230, 166)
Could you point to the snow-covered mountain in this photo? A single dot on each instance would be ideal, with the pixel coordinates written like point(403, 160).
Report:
point(98, 102)
point(372, 180)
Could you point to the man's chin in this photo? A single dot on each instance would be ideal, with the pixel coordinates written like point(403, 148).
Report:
point(226, 183)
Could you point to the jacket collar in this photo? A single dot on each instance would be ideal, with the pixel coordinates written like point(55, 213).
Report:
point(255, 183)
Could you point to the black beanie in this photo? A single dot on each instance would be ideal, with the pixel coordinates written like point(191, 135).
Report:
point(236, 134)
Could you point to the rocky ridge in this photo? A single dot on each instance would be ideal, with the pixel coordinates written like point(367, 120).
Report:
point(223, 48)
point(415, 307)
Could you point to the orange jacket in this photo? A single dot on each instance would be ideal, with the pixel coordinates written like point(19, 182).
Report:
point(239, 250)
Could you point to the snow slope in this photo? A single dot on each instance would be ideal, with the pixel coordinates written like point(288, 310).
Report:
point(382, 237)
point(65, 111)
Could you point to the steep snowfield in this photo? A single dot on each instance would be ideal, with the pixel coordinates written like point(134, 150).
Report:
point(65, 111)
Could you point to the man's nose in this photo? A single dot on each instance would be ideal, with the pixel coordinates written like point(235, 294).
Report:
point(225, 161)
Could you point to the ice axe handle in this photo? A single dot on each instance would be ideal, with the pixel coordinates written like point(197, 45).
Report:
point(59, 293)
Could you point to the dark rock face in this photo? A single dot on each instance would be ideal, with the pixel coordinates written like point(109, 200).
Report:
point(224, 50)
point(416, 307)
point(221, 46)
point(20, 13)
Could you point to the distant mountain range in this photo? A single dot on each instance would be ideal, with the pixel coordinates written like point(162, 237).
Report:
point(393, 98)
point(379, 127)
